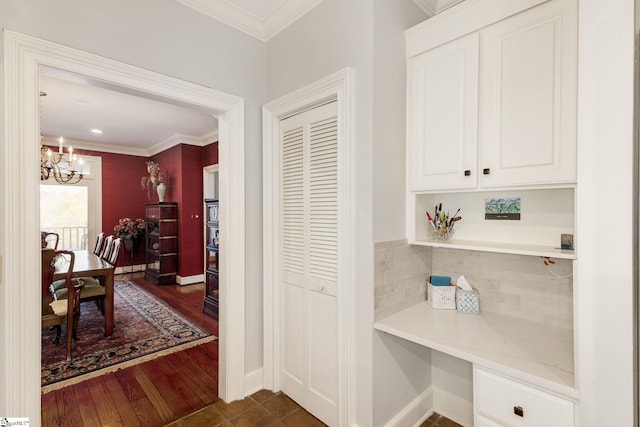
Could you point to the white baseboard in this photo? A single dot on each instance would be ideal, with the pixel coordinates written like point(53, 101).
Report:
point(453, 407)
point(129, 269)
point(253, 381)
point(416, 412)
point(190, 280)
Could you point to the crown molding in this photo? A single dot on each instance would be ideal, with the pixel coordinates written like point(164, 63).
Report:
point(433, 7)
point(429, 7)
point(286, 14)
point(210, 138)
point(161, 146)
point(95, 146)
point(172, 141)
point(262, 29)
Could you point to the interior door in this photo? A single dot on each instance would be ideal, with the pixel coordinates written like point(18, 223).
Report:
point(308, 267)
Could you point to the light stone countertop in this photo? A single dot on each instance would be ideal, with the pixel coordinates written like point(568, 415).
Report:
point(539, 354)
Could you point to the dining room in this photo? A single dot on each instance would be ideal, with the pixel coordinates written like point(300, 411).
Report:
point(93, 182)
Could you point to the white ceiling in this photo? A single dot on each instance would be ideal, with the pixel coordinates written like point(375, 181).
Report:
point(132, 123)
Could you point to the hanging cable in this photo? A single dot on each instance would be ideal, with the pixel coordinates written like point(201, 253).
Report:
point(547, 261)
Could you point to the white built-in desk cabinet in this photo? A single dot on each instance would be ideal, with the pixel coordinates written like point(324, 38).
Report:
point(492, 96)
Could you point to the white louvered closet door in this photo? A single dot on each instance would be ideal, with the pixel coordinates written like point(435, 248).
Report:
point(309, 263)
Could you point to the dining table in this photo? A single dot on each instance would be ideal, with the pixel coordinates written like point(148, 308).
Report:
point(88, 264)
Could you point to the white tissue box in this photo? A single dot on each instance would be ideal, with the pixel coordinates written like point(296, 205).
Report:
point(442, 297)
point(467, 301)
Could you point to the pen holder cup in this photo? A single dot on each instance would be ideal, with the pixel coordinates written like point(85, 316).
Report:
point(442, 233)
point(467, 301)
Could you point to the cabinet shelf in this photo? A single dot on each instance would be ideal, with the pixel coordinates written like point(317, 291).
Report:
point(546, 215)
point(161, 254)
point(499, 247)
point(212, 249)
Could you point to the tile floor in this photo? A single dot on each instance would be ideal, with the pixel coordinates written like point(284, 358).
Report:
point(266, 408)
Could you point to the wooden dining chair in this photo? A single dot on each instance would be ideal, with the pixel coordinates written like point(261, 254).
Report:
point(99, 243)
point(47, 238)
point(60, 311)
point(106, 248)
point(93, 289)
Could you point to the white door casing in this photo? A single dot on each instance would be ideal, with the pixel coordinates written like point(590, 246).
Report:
point(338, 86)
point(19, 317)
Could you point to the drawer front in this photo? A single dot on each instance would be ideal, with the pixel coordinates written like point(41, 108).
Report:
point(514, 404)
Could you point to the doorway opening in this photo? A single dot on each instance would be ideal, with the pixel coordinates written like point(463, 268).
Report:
point(24, 55)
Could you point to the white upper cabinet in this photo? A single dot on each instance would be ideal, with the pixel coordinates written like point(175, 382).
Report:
point(529, 98)
point(443, 106)
point(497, 107)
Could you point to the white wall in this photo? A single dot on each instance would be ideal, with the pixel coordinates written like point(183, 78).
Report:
point(166, 37)
point(604, 320)
point(402, 371)
point(332, 36)
point(391, 19)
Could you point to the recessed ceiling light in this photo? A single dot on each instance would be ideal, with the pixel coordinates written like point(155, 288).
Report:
point(96, 131)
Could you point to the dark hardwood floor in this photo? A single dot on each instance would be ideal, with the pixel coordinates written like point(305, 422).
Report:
point(153, 393)
point(180, 389)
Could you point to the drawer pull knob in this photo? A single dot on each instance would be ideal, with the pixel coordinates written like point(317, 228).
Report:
point(486, 171)
point(518, 410)
point(467, 172)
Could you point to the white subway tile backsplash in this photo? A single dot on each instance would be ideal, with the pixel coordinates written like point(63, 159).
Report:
point(514, 285)
point(400, 276)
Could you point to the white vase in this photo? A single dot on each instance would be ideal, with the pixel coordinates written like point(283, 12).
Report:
point(162, 190)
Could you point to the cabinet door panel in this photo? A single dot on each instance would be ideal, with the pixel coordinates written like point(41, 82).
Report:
point(443, 110)
point(529, 74)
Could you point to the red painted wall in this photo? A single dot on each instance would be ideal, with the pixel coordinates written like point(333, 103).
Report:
point(210, 154)
point(123, 196)
point(182, 166)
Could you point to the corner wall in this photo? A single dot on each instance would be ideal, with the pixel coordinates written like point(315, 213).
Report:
point(332, 36)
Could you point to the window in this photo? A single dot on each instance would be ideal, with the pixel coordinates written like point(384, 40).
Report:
point(74, 211)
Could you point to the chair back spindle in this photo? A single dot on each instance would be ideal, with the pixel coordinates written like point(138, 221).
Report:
point(114, 252)
point(106, 249)
point(99, 243)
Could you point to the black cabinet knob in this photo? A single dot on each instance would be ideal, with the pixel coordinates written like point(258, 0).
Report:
point(486, 171)
point(467, 172)
point(518, 410)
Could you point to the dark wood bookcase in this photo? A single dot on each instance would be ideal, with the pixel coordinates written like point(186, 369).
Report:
point(211, 251)
point(161, 253)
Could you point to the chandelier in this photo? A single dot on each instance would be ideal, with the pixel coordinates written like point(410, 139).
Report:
point(65, 169)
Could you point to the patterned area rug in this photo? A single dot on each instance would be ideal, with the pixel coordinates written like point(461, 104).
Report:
point(145, 327)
